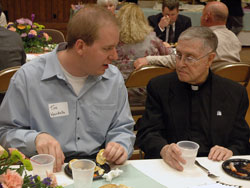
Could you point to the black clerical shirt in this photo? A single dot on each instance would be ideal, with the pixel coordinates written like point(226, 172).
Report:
point(200, 108)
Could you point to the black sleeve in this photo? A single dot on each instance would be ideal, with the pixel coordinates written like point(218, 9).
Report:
point(239, 138)
point(151, 127)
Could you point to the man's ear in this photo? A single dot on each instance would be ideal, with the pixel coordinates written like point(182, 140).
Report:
point(80, 46)
point(211, 57)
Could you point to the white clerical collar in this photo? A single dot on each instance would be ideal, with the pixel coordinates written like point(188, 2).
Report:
point(194, 88)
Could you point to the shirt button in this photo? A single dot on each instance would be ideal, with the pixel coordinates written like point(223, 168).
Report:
point(78, 138)
point(78, 118)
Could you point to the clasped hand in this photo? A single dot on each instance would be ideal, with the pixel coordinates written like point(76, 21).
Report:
point(171, 154)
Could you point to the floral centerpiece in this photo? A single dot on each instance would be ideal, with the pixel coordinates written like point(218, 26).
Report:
point(17, 176)
point(34, 39)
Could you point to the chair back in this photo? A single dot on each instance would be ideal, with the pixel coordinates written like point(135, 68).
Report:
point(238, 72)
point(141, 77)
point(5, 76)
point(56, 35)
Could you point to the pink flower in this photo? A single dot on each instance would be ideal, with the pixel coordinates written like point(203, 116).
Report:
point(12, 149)
point(11, 179)
point(33, 32)
point(12, 29)
point(24, 35)
point(53, 179)
point(46, 36)
point(24, 21)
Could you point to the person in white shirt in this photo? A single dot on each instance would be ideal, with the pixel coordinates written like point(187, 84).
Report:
point(214, 16)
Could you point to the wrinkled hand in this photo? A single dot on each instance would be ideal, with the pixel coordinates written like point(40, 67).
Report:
point(171, 154)
point(115, 153)
point(46, 144)
point(140, 62)
point(219, 153)
point(164, 22)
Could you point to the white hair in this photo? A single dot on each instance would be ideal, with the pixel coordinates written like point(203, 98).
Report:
point(103, 2)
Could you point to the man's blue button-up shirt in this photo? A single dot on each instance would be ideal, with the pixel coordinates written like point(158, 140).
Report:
point(40, 99)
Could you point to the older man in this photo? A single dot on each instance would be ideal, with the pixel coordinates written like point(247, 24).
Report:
point(168, 25)
point(194, 104)
point(214, 16)
point(72, 102)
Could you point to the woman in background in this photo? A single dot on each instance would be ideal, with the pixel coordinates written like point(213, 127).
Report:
point(137, 39)
point(109, 4)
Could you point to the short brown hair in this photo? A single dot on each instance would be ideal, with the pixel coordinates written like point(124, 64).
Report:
point(86, 23)
point(170, 4)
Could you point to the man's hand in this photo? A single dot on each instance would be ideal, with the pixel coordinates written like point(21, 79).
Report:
point(115, 153)
point(140, 62)
point(164, 22)
point(171, 154)
point(219, 153)
point(46, 144)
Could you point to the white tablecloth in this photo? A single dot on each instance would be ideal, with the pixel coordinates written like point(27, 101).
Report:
point(162, 173)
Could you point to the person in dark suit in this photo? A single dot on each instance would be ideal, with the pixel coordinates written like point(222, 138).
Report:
point(169, 24)
point(235, 18)
point(194, 104)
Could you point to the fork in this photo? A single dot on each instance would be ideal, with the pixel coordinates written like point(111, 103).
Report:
point(209, 174)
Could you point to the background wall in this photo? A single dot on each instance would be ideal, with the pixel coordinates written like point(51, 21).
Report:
point(51, 13)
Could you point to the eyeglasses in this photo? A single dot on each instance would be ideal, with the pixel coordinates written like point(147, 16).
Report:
point(190, 59)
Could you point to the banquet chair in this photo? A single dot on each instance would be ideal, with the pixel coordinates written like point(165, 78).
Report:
point(56, 35)
point(238, 72)
point(5, 76)
point(140, 78)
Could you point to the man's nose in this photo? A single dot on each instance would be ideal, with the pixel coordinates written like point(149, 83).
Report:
point(114, 55)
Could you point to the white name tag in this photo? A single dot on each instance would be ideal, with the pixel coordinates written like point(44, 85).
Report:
point(58, 109)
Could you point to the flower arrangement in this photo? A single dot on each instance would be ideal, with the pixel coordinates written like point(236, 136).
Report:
point(34, 39)
point(16, 176)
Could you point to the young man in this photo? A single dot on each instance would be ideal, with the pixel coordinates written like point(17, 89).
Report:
point(168, 25)
point(72, 102)
point(194, 104)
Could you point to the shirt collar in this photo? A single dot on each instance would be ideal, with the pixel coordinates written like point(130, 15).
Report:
point(217, 27)
point(53, 67)
point(200, 86)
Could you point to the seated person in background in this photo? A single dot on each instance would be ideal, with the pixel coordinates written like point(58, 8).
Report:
point(169, 24)
point(214, 16)
point(137, 39)
point(71, 102)
point(194, 104)
point(235, 18)
point(11, 51)
point(108, 4)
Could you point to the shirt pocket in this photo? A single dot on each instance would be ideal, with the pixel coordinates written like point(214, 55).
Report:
point(101, 117)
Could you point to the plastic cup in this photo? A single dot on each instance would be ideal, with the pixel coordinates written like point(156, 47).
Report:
point(42, 164)
point(189, 152)
point(83, 172)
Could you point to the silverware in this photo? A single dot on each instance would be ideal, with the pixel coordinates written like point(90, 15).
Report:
point(206, 170)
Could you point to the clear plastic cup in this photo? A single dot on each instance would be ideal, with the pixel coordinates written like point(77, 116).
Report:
point(83, 172)
point(189, 152)
point(41, 164)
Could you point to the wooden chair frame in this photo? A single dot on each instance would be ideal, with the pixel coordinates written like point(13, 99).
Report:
point(5, 76)
point(57, 36)
point(238, 72)
point(141, 77)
